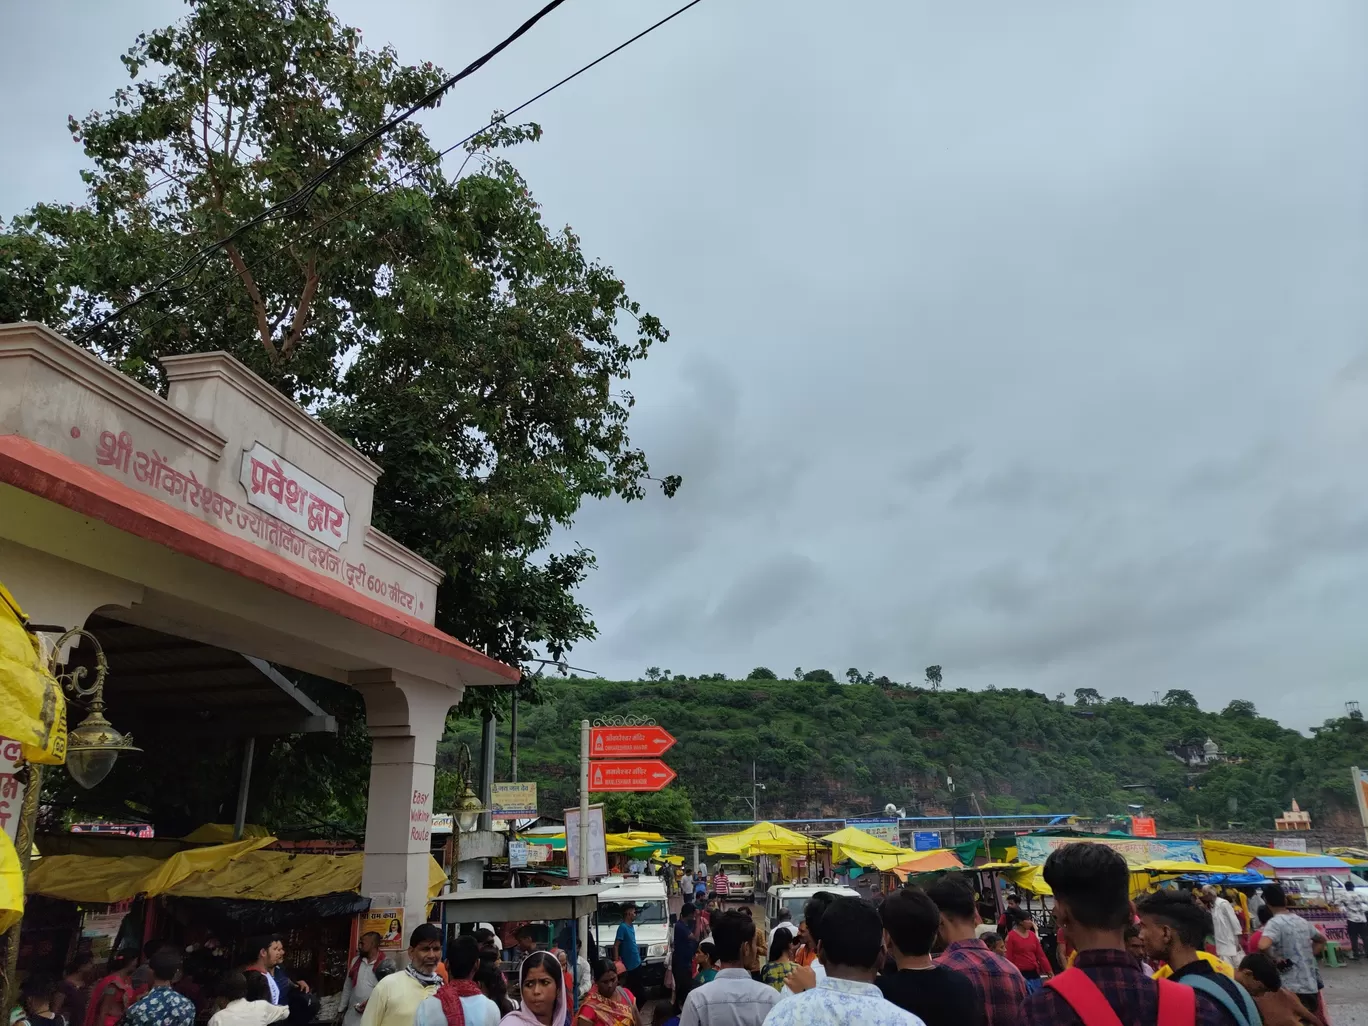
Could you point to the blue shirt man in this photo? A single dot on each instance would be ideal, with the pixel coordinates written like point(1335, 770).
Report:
point(625, 948)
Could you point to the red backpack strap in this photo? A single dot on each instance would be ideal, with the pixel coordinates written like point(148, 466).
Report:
point(1084, 997)
point(1177, 1004)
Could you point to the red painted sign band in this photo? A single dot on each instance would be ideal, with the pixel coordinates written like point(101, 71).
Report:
point(629, 775)
point(612, 742)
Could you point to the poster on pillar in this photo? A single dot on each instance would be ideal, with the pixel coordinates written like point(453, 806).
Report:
point(598, 850)
point(11, 786)
point(388, 923)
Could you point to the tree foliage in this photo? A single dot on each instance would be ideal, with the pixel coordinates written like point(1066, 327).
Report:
point(1179, 699)
point(666, 812)
point(434, 319)
point(819, 676)
point(1087, 696)
point(825, 749)
point(933, 677)
point(428, 313)
point(762, 673)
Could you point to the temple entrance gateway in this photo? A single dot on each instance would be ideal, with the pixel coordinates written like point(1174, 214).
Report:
point(213, 539)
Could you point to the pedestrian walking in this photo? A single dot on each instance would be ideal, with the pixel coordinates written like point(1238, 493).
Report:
point(1293, 943)
point(395, 999)
point(360, 979)
point(1355, 905)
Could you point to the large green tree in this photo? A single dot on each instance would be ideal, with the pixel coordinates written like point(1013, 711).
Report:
point(424, 309)
point(427, 312)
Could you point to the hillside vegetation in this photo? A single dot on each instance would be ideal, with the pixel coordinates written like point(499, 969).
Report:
point(825, 748)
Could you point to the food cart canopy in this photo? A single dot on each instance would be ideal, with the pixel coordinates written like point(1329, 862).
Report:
point(533, 904)
point(762, 839)
point(241, 871)
point(1291, 863)
point(1228, 853)
point(928, 862)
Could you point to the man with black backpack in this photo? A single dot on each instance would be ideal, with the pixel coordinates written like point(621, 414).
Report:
point(1174, 927)
point(1105, 987)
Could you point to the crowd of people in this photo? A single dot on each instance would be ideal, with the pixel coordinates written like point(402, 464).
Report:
point(917, 957)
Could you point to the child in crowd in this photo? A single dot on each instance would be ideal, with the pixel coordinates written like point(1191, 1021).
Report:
point(707, 967)
point(1278, 1006)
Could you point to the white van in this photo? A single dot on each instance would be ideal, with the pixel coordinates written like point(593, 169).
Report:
point(652, 921)
point(740, 879)
point(794, 897)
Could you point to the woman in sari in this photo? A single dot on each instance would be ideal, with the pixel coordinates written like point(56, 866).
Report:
point(608, 1004)
point(110, 997)
point(544, 1001)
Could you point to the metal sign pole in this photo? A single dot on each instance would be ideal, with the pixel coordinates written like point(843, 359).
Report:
point(584, 833)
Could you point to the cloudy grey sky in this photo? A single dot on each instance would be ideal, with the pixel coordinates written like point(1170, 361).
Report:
point(1027, 339)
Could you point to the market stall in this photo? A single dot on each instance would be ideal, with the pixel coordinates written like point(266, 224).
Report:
point(1313, 884)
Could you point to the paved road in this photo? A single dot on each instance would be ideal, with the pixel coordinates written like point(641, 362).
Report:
point(1346, 994)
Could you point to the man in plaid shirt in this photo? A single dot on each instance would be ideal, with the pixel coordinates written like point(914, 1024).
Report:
point(998, 983)
point(1091, 885)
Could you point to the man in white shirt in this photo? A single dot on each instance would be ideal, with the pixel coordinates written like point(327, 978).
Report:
point(850, 945)
point(1355, 905)
point(785, 923)
point(361, 980)
point(732, 998)
point(244, 1009)
point(463, 959)
point(1225, 925)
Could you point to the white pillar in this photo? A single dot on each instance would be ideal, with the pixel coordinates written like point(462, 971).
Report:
point(405, 716)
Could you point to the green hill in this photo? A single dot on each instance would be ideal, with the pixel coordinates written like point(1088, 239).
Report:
point(845, 749)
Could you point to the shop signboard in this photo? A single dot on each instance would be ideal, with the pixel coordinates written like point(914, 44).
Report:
point(883, 829)
point(517, 854)
point(514, 801)
point(926, 840)
point(598, 850)
point(1144, 826)
point(1035, 849)
point(441, 822)
point(538, 853)
point(388, 923)
point(1361, 792)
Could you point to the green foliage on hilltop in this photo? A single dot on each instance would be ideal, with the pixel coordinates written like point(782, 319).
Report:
point(825, 748)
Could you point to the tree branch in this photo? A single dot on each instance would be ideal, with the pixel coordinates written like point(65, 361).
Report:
point(258, 304)
point(301, 316)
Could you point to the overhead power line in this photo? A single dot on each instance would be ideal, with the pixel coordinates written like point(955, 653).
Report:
point(388, 186)
point(301, 196)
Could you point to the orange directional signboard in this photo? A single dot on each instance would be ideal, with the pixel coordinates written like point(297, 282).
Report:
point(615, 742)
point(629, 775)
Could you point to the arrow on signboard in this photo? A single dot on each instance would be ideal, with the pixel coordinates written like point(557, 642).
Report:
point(612, 742)
point(629, 775)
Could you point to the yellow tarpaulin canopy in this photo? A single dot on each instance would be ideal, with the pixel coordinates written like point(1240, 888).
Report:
point(239, 871)
point(1029, 878)
point(761, 839)
point(1228, 853)
point(866, 850)
point(1000, 865)
point(32, 709)
point(613, 843)
point(222, 833)
point(11, 884)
